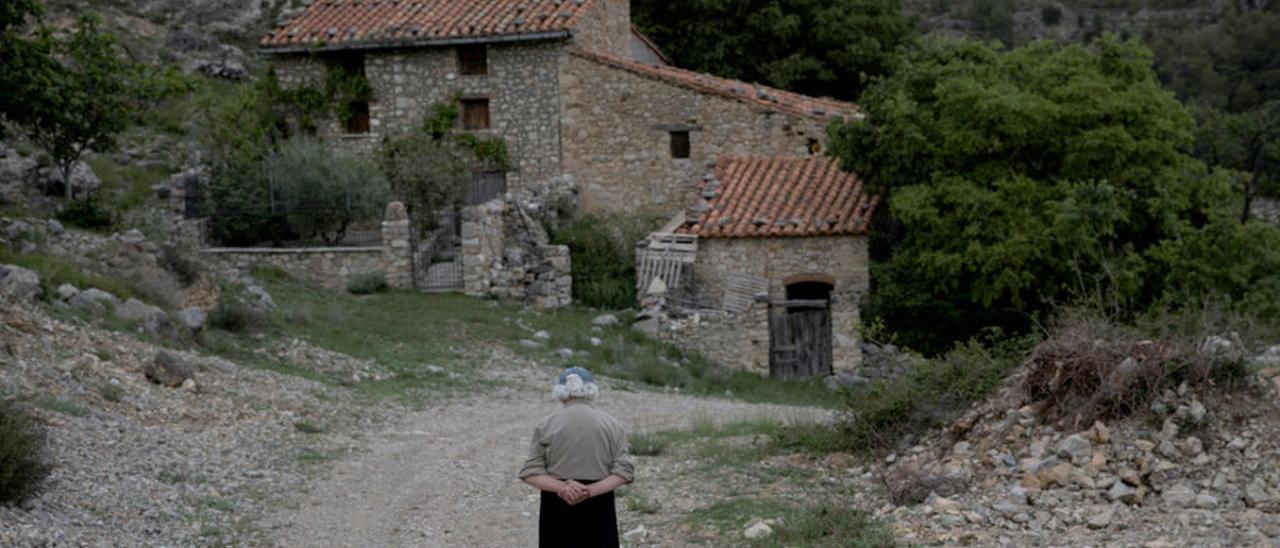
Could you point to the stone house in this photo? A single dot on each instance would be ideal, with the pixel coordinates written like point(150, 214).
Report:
point(573, 89)
point(590, 109)
point(775, 267)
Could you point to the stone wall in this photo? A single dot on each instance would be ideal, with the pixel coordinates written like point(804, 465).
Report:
point(843, 258)
point(615, 136)
point(606, 28)
point(327, 266)
point(506, 253)
point(522, 86)
point(737, 341)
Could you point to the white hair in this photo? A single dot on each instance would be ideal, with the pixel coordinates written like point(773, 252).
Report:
point(575, 389)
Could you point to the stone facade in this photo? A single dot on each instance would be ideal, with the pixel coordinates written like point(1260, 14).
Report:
point(606, 28)
point(330, 267)
point(506, 253)
point(742, 340)
point(397, 253)
point(616, 136)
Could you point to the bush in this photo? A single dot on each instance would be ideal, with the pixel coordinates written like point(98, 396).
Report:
point(236, 317)
point(181, 264)
point(936, 392)
point(367, 283)
point(22, 464)
point(646, 445)
point(604, 257)
point(322, 193)
point(86, 214)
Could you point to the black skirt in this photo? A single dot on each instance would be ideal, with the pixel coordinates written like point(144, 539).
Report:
point(592, 523)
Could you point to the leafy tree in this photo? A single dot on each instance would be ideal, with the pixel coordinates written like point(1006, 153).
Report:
point(1248, 142)
point(1233, 64)
point(321, 193)
point(818, 47)
point(1021, 180)
point(428, 173)
point(83, 103)
point(25, 56)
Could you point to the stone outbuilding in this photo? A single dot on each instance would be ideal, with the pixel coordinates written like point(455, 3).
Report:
point(766, 270)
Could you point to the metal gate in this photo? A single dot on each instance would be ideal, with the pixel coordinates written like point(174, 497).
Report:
point(437, 261)
point(799, 339)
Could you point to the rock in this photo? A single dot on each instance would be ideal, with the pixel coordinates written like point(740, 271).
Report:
point(54, 227)
point(1122, 492)
point(639, 533)
point(1180, 496)
point(595, 341)
point(1255, 494)
point(1056, 475)
point(565, 353)
point(1100, 517)
point(1206, 501)
point(168, 370)
point(1237, 444)
point(82, 179)
point(134, 310)
point(1197, 412)
point(189, 385)
point(1269, 358)
point(1099, 433)
point(93, 300)
point(647, 326)
point(1075, 448)
point(541, 336)
point(192, 318)
point(262, 300)
point(1191, 446)
point(1169, 430)
point(759, 530)
point(18, 284)
point(66, 292)
point(1167, 450)
point(951, 520)
point(605, 320)
point(527, 343)
point(1129, 476)
point(942, 504)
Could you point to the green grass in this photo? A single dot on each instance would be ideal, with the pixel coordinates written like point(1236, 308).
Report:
point(55, 271)
point(126, 186)
point(820, 524)
point(60, 405)
point(308, 427)
point(406, 331)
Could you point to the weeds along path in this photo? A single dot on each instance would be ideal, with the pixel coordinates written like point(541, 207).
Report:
point(446, 476)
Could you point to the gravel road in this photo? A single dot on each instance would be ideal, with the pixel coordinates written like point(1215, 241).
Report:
point(446, 476)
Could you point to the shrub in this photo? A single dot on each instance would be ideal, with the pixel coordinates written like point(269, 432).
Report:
point(181, 264)
point(322, 193)
point(931, 395)
point(646, 445)
point(236, 317)
point(22, 464)
point(367, 283)
point(604, 258)
point(86, 214)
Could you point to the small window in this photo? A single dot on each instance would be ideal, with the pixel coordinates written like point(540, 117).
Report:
point(679, 144)
point(475, 113)
point(815, 147)
point(358, 117)
point(473, 59)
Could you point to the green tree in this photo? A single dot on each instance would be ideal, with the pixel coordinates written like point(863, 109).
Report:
point(1023, 179)
point(83, 103)
point(818, 47)
point(322, 193)
point(1233, 64)
point(26, 55)
point(1247, 142)
point(427, 172)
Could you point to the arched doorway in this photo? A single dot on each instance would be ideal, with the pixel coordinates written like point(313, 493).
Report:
point(800, 328)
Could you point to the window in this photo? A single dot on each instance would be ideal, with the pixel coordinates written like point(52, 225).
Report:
point(475, 113)
point(473, 59)
point(358, 117)
point(680, 144)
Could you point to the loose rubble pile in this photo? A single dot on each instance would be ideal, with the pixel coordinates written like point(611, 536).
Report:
point(1195, 469)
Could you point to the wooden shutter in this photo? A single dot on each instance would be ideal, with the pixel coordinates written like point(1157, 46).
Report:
point(473, 59)
point(475, 113)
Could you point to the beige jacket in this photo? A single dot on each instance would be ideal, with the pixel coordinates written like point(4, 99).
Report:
point(579, 442)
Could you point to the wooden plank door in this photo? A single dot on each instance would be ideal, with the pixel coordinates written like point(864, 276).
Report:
point(799, 339)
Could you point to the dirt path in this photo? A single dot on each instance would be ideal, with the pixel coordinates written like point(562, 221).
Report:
point(446, 476)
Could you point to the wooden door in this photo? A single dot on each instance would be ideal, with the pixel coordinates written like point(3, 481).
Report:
point(799, 339)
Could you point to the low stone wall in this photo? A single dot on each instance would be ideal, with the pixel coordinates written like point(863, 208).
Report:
point(327, 266)
point(735, 341)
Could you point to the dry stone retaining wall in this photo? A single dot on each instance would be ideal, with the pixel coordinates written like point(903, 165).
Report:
point(327, 266)
point(506, 253)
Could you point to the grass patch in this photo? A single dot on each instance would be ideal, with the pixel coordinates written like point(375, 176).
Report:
point(637, 501)
point(59, 405)
point(308, 427)
point(646, 445)
point(127, 186)
point(110, 392)
point(55, 271)
point(314, 456)
point(822, 524)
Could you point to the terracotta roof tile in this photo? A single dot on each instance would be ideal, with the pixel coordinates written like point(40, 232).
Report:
point(779, 197)
point(350, 23)
point(773, 98)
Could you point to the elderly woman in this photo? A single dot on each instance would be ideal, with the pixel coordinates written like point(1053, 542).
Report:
point(577, 458)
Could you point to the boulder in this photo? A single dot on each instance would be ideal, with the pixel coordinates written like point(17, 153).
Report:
point(1122, 492)
point(605, 320)
point(192, 318)
point(66, 292)
point(134, 310)
point(1075, 448)
point(83, 180)
point(1180, 496)
point(18, 284)
point(168, 370)
point(759, 530)
point(93, 300)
